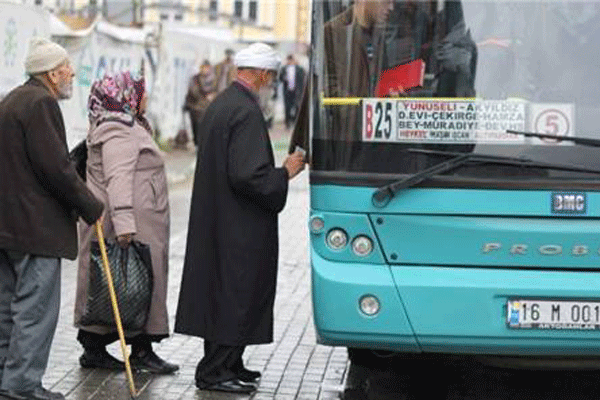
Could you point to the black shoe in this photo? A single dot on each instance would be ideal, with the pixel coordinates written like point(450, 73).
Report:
point(37, 394)
point(9, 395)
point(100, 359)
point(248, 376)
point(231, 386)
point(148, 361)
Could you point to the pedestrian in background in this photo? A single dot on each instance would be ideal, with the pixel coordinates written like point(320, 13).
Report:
point(201, 91)
point(230, 269)
point(292, 77)
point(41, 196)
point(225, 72)
point(126, 170)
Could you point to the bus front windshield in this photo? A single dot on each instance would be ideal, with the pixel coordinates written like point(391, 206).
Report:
point(392, 78)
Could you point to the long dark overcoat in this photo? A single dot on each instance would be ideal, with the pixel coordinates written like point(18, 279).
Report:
point(230, 270)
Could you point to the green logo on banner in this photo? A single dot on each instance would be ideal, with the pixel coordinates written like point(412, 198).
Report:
point(10, 43)
point(85, 75)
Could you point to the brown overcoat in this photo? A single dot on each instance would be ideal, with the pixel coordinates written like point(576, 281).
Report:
point(225, 74)
point(126, 170)
point(349, 73)
point(41, 194)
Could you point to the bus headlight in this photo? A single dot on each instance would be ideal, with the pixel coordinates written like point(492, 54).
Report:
point(337, 239)
point(362, 246)
point(369, 305)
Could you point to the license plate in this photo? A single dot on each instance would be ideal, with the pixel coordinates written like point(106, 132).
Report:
point(553, 314)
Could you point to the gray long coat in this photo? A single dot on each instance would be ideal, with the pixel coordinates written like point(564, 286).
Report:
point(126, 170)
point(230, 270)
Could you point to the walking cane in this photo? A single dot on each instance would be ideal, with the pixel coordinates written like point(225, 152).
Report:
point(115, 306)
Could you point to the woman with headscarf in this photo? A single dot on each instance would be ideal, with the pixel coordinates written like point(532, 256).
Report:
point(126, 170)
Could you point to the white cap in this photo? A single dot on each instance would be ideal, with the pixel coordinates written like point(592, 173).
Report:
point(259, 56)
point(44, 55)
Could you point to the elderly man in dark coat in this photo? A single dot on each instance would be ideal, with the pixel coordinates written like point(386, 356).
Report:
point(41, 196)
point(229, 278)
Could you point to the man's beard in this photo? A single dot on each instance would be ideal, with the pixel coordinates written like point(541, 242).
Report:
point(65, 90)
point(265, 92)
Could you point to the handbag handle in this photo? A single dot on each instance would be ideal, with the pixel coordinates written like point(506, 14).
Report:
point(124, 258)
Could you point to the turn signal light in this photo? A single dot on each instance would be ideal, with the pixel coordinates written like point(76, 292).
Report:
point(317, 224)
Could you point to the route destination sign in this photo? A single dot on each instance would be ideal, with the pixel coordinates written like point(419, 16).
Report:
point(455, 121)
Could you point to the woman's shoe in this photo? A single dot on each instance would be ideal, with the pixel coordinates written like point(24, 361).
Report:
point(148, 361)
point(100, 359)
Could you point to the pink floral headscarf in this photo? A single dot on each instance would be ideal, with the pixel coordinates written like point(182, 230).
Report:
point(115, 97)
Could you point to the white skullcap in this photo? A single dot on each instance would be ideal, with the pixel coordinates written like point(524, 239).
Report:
point(259, 56)
point(43, 55)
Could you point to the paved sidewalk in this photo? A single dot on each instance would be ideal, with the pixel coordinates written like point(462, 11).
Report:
point(293, 367)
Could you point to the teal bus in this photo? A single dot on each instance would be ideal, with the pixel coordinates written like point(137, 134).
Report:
point(455, 177)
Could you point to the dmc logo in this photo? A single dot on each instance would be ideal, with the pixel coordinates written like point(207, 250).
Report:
point(569, 203)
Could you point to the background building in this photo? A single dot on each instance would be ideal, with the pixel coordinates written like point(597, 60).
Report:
point(283, 23)
point(279, 22)
point(170, 37)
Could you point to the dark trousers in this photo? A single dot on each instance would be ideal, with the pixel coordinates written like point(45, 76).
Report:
point(220, 363)
point(29, 307)
point(196, 119)
point(289, 100)
point(95, 342)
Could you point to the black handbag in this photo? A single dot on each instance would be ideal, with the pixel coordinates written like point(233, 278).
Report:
point(79, 157)
point(131, 270)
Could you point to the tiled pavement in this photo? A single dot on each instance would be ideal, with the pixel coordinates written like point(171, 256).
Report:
point(293, 367)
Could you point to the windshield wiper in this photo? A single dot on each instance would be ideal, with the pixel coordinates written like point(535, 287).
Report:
point(384, 194)
point(576, 140)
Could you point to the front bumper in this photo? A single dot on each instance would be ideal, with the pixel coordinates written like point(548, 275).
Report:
point(445, 309)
